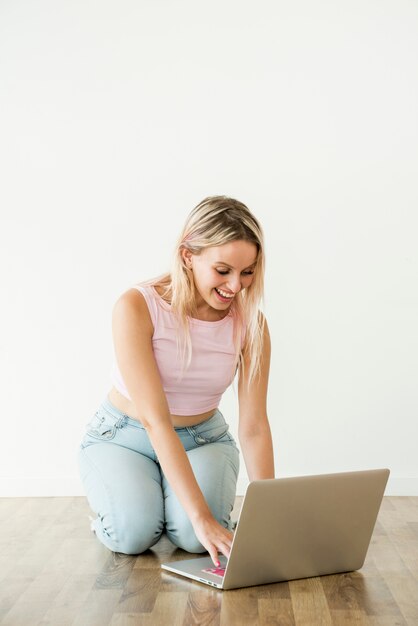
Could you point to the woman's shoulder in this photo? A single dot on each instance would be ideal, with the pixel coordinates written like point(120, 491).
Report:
point(162, 291)
point(134, 303)
point(157, 288)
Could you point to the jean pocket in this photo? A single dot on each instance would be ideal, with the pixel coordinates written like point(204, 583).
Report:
point(102, 426)
point(212, 433)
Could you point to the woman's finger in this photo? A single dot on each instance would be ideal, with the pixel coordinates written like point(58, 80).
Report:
point(225, 549)
point(214, 556)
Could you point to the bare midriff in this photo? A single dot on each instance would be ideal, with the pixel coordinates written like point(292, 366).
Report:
point(126, 406)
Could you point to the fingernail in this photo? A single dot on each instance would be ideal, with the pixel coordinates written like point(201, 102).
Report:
point(218, 563)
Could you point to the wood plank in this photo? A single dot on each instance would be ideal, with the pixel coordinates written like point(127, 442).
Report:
point(386, 620)
point(274, 611)
point(140, 591)
point(239, 608)
point(377, 600)
point(35, 599)
point(203, 607)
point(170, 608)
point(349, 618)
point(386, 558)
point(163, 551)
point(69, 602)
point(309, 602)
point(404, 590)
point(344, 592)
point(98, 608)
point(11, 590)
point(116, 571)
point(25, 613)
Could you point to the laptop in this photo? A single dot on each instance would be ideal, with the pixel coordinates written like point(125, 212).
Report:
point(296, 527)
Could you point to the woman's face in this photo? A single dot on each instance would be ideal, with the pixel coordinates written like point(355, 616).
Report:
point(220, 272)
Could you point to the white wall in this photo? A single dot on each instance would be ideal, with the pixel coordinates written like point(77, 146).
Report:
point(118, 117)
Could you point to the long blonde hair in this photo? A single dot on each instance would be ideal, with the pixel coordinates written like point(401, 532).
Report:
point(218, 220)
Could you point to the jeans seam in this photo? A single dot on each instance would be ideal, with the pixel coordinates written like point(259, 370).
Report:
point(107, 492)
point(227, 460)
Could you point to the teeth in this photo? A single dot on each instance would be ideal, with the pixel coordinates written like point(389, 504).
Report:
point(223, 294)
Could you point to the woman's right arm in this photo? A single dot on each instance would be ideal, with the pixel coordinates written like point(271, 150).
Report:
point(132, 336)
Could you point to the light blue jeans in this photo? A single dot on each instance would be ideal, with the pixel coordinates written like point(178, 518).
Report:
point(127, 489)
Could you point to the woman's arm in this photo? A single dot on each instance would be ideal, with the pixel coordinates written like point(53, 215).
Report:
point(254, 429)
point(132, 335)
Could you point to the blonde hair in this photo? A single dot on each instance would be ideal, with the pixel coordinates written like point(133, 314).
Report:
point(217, 220)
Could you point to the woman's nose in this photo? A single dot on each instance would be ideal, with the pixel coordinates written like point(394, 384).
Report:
point(234, 284)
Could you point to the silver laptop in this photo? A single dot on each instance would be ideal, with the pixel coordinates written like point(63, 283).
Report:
point(296, 527)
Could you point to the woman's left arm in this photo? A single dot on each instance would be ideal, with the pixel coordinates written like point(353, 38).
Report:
point(254, 429)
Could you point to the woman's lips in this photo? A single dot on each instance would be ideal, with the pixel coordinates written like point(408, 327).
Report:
point(222, 298)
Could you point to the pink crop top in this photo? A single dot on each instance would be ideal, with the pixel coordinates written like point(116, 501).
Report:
point(210, 371)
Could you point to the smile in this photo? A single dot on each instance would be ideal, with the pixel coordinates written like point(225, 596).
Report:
point(228, 296)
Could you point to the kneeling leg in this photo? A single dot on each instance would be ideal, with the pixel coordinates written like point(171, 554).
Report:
point(124, 489)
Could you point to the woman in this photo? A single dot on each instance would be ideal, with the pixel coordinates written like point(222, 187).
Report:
point(157, 455)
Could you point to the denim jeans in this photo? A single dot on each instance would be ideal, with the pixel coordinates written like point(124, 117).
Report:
point(127, 489)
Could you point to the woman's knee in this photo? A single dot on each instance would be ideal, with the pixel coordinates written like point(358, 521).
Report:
point(180, 530)
point(135, 539)
point(130, 534)
point(185, 538)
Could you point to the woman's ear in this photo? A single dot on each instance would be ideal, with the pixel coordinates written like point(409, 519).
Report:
point(187, 258)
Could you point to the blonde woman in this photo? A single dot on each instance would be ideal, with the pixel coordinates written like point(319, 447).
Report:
point(157, 455)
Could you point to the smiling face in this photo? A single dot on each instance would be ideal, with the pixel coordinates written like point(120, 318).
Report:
point(220, 272)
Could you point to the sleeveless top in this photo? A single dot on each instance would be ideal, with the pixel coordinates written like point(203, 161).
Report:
point(211, 368)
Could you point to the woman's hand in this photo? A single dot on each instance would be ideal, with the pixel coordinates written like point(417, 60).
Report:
point(214, 537)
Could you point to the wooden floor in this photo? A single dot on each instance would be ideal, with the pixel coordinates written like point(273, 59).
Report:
point(53, 571)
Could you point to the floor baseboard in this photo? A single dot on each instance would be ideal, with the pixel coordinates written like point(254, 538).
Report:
point(71, 486)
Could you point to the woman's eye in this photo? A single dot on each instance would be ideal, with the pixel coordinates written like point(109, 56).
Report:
point(223, 272)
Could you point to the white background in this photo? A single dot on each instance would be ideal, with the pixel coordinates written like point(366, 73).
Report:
point(117, 118)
